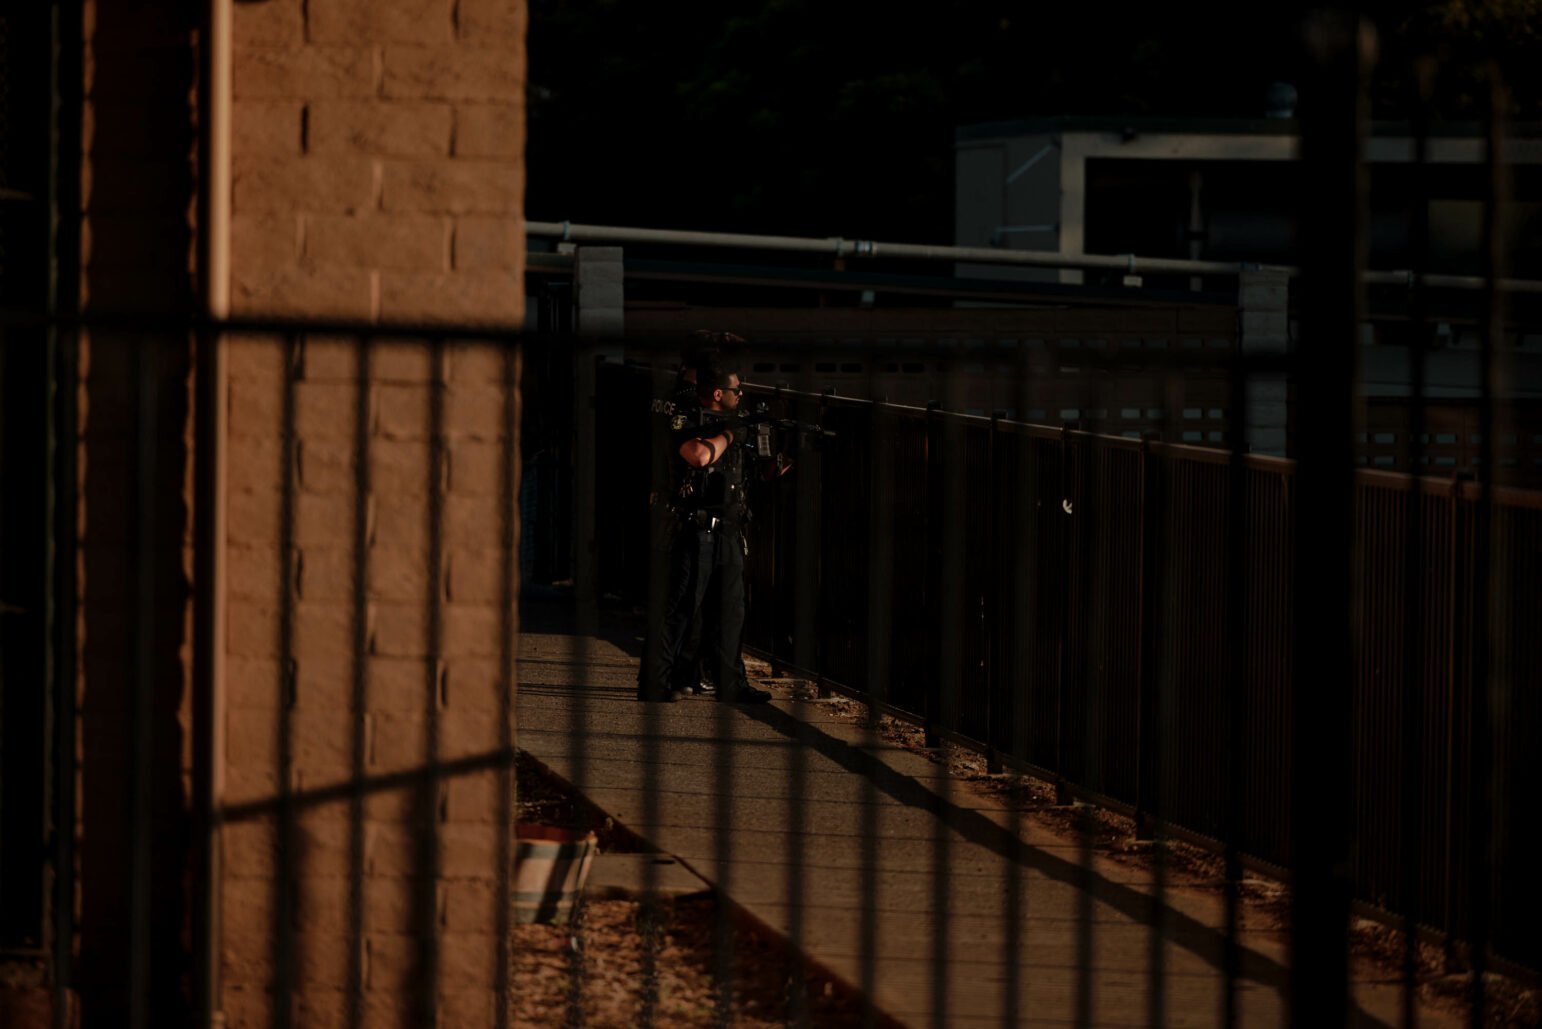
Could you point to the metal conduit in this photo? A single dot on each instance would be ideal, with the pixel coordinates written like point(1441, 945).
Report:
point(836, 246)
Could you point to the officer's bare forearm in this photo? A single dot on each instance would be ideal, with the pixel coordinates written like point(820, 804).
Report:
point(701, 452)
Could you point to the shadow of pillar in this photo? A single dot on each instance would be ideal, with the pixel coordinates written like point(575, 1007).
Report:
point(133, 515)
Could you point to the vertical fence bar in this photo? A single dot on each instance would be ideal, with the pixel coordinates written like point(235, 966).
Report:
point(426, 800)
point(950, 610)
point(880, 613)
point(586, 613)
point(661, 525)
point(145, 471)
point(1481, 779)
point(510, 474)
point(1236, 685)
point(359, 691)
point(1063, 538)
point(282, 942)
point(806, 615)
point(1154, 557)
point(1413, 699)
point(1333, 130)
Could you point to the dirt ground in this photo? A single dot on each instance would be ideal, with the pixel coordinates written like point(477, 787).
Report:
point(1375, 948)
point(623, 957)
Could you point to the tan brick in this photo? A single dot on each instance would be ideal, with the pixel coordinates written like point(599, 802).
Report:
point(484, 362)
point(476, 411)
point(321, 293)
point(403, 524)
point(454, 73)
point(399, 467)
point(376, 241)
point(470, 1008)
point(266, 127)
point(469, 850)
point(327, 465)
point(489, 244)
point(481, 468)
point(333, 184)
point(254, 356)
point(256, 408)
point(246, 907)
point(254, 573)
point(271, 23)
point(478, 796)
point(399, 573)
point(480, 576)
point(323, 519)
point(386, 128)
point(252, 518)
point(405, 806)
point(472, 630)
point(304, 72)
point(393, 360)
point(250, 848)
point(467, 960)
point(252, 683)
point(484, 298)
point(404, 411)
point(477, 684)
point(370, 21)
point(482, 21)
point(265, 242)
point(401, 685)
point(256, 465)
point(402, 741)
point(452, 186)
point(473, 521)
point(393, 961)
point(401, 630)
point(393, 574)
point(245, 784)
point(471, 906)
point(489, 130)
point(320, 747)
point(320, 632)
point(326, 573)
point(246, 1002)
point(391, 684)
point(325, 410)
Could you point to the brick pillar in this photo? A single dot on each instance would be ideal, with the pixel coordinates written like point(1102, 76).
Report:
point(378, 159)
point(378, 177)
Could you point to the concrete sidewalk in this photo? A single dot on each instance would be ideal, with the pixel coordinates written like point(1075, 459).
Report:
point(886, 808)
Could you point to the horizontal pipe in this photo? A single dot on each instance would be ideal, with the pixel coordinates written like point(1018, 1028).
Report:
point(836, 246)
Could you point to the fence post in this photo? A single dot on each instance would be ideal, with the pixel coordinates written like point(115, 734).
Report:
point(1062, 785)
point(990, 605)
point(1144, 684)
point(599, 302)
point(933, 568)
point(806, 549)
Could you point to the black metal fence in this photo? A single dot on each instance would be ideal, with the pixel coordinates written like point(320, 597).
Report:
point(1096, 579)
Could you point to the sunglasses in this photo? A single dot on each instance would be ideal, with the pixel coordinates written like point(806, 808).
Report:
point(737, 391)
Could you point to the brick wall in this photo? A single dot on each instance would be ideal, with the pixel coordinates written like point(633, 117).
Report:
point(371, 526)
point(378, 159)
point(367, 768)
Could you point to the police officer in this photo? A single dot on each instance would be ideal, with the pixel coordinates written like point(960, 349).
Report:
point(706, 561)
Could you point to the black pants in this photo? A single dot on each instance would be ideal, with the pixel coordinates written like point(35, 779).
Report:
point(706, 585)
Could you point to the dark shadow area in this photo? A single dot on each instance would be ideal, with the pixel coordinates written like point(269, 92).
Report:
point(136, 187)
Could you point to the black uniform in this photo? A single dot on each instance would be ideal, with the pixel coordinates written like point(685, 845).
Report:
point(706, 571)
